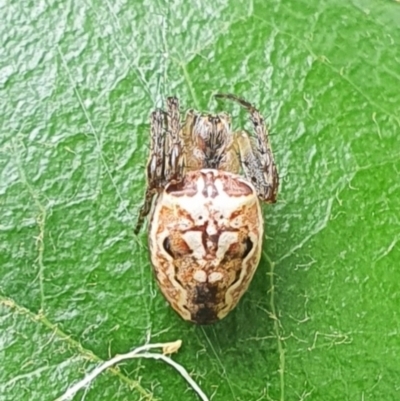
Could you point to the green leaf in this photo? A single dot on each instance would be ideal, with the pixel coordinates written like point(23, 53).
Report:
point(321, 319)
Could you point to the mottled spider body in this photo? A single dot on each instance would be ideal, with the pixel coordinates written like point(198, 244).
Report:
point(206, 225)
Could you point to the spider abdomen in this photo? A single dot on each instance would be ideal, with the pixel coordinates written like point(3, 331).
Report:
point(205, 242)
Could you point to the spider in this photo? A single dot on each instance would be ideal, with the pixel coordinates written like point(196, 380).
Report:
point(204, 184)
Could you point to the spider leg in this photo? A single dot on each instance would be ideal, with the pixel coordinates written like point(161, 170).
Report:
point(256, 156)
point(166, 159)
point(230, 162)
point(174, 160)
point(155, 164)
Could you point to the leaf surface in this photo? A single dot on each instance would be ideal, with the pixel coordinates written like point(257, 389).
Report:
point(78, 80)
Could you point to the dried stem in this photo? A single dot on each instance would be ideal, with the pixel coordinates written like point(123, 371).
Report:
point(140, 352)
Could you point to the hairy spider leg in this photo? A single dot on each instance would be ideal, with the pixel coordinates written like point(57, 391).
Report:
point(166, 159)
point(155, 164)
point(256, 157)
point(174, 153)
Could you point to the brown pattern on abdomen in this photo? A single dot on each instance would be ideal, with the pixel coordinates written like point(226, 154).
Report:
point(206, 242)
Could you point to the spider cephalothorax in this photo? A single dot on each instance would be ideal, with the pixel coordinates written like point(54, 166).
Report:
point(206, 225)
